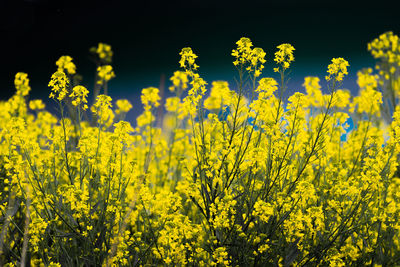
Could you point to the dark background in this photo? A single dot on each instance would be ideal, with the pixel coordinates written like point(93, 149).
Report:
point(147, 37)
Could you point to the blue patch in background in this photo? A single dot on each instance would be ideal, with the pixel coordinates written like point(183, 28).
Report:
point(349, 122)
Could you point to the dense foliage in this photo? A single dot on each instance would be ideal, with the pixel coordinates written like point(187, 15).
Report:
point(227, 178)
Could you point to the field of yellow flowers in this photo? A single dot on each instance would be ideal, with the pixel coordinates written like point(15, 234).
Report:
point(244, 177)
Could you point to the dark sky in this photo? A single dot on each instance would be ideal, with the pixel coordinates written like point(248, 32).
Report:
point(147, 36)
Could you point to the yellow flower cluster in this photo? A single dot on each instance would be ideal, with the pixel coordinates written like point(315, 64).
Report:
point(188, 59)
point(65, 64)
point(105, 74)
point(123, 106)
point(102, 102)
point(78, 95)
point(244, 54)
point(102, 108)
point(21, 83)
point(59, 83)
point(284, 56)
point(195, 94)
point(267, 86)
point(370, 99)
point(313, 89)
point(104, 52)
point(219, 96)
point(386, 47)
point(150, 97)
point(257, 61)
point(337, 69)
point(263, 210)
point(179, 82)
point(226, 180)
point(341, 98)
point(172, 104)
point(36, 104)
point(122, 131)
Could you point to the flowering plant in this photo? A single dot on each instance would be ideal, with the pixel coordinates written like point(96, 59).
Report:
point(232, 178)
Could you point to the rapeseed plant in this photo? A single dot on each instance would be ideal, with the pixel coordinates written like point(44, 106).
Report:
point(232, 178)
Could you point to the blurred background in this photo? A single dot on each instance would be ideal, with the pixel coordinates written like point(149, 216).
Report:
point(147, 36)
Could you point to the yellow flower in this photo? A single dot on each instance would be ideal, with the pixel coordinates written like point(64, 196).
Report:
point(369, 99)
point(78, 95)
point(180, 82)
point(104, 52)
point(220, 257)
point(263, 210)
point(21, 83)
point(188, 59)
point(122, 131)
point(145, 118)
point(365, 79)
point(102, 108)
point(243, 52)
point(337, 69)
point(386, 47)
point(102, 102)
point(220, 95)
point(105, 74)
point(341, 98)
point(123, 106)
point(284, 56)
point(172, 104)
point(267, 85)
point(257, 59)
point(64, 63)
point(36, 104)
point(58, 84)
point(252, 58)
point(313, 89)
point(150, 97)
point(195, 94)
